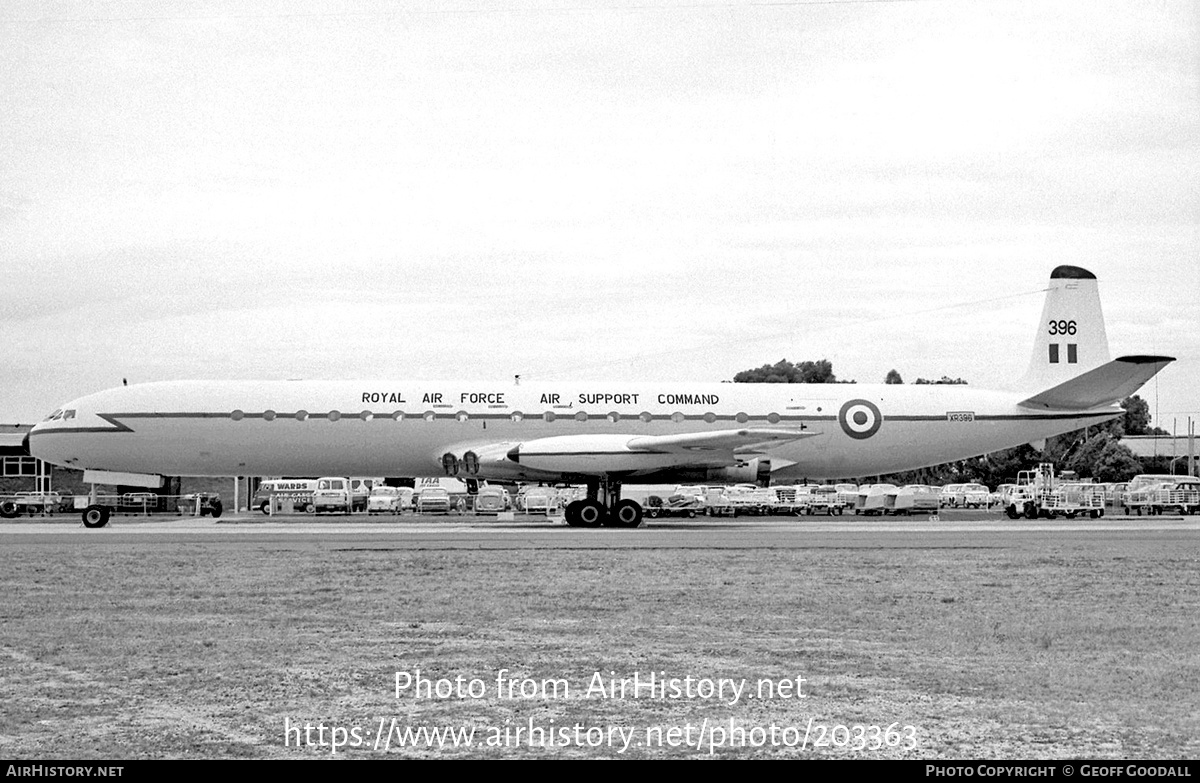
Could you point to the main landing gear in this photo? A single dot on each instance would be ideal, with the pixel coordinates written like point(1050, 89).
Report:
point(604, 506)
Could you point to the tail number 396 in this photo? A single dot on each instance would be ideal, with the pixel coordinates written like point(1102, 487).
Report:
point(1062, 327)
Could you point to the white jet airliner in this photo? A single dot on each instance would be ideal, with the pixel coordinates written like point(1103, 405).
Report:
point(599, 434)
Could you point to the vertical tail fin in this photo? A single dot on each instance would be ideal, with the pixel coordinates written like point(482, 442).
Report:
point(1070, 338)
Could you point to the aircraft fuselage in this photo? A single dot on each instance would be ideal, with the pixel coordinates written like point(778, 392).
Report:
point(389, 428)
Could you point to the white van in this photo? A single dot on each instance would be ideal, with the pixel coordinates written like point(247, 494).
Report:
point(338, 493)
point(298, 491)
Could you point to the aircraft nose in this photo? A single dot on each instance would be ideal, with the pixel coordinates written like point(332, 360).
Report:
point(49, 447)
point(32, 445)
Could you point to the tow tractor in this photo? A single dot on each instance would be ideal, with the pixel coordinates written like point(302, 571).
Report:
point(1039, 494)
point(824, 499)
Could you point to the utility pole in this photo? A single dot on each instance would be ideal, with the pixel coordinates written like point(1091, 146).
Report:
point(1191, 447)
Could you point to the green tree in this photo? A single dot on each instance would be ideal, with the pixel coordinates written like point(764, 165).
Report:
point(944, 380)
point(893, 377)
point(1086, 454)
point(1137, 415)
point(1116, 463)
point(784, 371)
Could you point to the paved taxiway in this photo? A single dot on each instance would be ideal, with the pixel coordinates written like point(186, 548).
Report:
point(953, 529)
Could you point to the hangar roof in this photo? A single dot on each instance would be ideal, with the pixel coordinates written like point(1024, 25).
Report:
point(1158, 445)
point(12, 435)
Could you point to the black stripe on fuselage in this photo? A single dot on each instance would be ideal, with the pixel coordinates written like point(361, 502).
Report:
point(771, 418)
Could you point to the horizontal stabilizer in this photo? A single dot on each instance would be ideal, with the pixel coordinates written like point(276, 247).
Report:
point(1105, 385)
point(722, 440)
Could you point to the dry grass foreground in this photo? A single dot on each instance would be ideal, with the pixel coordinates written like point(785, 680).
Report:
point(209, 650)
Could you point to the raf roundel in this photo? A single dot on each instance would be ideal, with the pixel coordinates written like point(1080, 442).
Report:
point(860, 419)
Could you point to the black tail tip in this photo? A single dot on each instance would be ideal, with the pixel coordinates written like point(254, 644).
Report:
point(1071, 273)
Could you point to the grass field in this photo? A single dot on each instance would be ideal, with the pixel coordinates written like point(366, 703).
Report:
point(213, 650)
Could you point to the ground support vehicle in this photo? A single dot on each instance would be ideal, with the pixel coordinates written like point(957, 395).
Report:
point(1026, 497)
point(1114, 495)
point(1140, 501)
point(692, 491)
point(1070, 500)
point(787, 499)
point(98, 509)
point(30, 503)
point(676, 506)
point(1020, 501)
point(823, 500)
point(1137, 497)
point(847, 495)
point(1182, 497)
point(716, 503)
point(141, 503)
point(751, 500)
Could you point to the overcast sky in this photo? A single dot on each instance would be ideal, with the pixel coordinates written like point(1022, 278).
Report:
point(575, 189)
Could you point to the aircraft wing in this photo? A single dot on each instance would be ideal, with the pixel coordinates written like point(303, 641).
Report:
point(596, 454)
point(722, 440)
